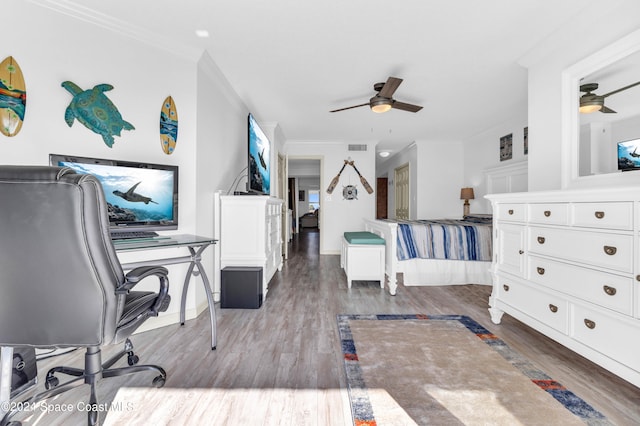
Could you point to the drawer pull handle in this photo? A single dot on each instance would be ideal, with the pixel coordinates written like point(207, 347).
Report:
point(611, 291)
point(599, 215)
point(540, 270)
point(520, 251)
point(510, 211)
point(637, 277)
point(506, 287)
point(541, 240)
point(610, 250)
point(553, 308)
point(590, 324)
point(547, 213)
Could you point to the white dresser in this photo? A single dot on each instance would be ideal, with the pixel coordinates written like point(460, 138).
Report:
point(567, 263)
point(250, 233)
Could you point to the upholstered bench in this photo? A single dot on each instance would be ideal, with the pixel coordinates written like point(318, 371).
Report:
point(362, 257)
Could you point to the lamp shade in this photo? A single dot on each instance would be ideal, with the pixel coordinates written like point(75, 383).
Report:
point(466, 194)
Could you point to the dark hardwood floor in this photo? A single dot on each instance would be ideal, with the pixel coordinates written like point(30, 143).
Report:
point(281, 364)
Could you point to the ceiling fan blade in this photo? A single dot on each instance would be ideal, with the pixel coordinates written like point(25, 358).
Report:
point(390, 87)
point(621, 89)
point(607, 110)
point(406, 107)
point(355, 106)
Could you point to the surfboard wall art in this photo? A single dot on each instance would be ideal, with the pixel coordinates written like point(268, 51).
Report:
point(13, 97)
point(168, 126)
point(95, 111)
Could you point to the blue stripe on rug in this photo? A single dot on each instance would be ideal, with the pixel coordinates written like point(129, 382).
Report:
point(361, 408)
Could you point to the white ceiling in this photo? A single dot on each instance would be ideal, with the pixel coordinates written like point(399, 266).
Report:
point(291, 61)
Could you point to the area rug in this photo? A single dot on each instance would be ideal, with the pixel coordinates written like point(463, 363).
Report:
point(447, 370)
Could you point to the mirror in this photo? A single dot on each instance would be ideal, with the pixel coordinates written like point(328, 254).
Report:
point(591, 140)
point(618, 119)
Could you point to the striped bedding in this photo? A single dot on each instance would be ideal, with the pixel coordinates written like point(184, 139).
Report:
point(452, 239)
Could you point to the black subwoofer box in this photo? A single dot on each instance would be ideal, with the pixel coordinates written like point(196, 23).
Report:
point(24, 371)
point(241, 287)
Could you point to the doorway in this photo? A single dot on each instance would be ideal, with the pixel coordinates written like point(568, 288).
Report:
point(401, 180)
point(305, 196)
point(382, 200)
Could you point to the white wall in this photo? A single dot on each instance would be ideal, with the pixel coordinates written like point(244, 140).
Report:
point(338, 215)
point(440, 177)
point(211, 146)
point(482, 152)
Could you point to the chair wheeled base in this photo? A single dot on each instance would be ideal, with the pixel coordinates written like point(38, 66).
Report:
point(93, 371)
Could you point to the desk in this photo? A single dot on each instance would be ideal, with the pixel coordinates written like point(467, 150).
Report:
point(196, 246)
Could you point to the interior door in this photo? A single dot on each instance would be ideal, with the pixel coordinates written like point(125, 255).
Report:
point(283, 183)
point(381, 198)
point(401, 183)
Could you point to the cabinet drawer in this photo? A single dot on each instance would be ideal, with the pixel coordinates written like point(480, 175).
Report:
point(604, 289)
point(544, 307)
point(612, 251)
point(603, 215)
point(552, 213)
point(611, 335)
point(511, 212)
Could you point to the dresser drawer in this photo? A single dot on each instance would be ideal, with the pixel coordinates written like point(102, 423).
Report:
point(552, 213)
point(603, 215)
point(604, 289)
point(611, 335)
point(614, 251)
point(538, 304)
point(511, 212)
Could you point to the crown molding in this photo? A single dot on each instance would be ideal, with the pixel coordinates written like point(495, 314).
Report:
point(80, 12)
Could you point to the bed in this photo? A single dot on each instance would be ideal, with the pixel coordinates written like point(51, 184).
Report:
point(436, 252)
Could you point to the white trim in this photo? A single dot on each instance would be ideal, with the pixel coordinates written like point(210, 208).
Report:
point(508, 174)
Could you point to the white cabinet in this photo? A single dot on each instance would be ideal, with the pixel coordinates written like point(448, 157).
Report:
point(509, 250)
point(250, 233)
point(567, 263)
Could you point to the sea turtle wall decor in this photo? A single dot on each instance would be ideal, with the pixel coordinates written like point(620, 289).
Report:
point(95, 111)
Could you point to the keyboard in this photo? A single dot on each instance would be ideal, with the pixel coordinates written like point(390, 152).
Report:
point(131, 235)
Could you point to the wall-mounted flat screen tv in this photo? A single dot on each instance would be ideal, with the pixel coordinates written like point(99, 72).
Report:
point(259, 167)
point(140, 196)
point(629, 155)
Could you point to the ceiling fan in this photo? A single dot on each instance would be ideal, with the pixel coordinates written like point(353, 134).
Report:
point(590, 102)
point(383, 101)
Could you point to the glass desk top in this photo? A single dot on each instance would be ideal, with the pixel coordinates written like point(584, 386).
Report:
point(162, 241)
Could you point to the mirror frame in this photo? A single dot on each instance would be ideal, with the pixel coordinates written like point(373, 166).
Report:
point(571, 117)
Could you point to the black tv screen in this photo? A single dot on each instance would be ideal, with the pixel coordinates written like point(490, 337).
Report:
point(139, 196)
point(259, 167)
point(629, 155)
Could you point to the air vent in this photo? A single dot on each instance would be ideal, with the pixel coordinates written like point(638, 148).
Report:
point(354, 147)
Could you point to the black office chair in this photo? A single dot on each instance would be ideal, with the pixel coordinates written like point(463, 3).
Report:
point(61, 284)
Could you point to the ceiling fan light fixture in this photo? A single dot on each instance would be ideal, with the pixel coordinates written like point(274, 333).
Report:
point(380, 105)
point(590, 106)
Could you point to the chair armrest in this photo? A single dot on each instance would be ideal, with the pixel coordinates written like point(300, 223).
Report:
point(138, 274)
point(142, 272)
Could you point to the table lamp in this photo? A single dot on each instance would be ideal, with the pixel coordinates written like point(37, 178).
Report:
point(466, 194)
